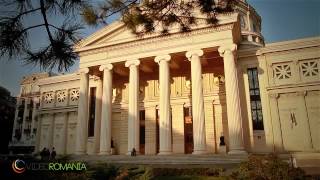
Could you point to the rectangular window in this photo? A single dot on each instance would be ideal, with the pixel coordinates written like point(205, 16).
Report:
point(92, 109)
point(255, 100)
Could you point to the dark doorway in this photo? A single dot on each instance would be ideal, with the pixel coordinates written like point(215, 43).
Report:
point(188, 130)
point(142, 132)
point(157, 131)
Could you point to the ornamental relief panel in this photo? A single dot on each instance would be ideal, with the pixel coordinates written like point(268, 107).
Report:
point(60, 98)
point(282, 72)
point(48, 98)
point(309, 70)
point(74, 95)
point(298, 71)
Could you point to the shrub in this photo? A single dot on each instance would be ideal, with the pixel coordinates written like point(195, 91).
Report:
point(103, 171)
point(267, 168)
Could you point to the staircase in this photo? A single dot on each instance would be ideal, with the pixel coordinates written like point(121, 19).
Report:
point(166, 161)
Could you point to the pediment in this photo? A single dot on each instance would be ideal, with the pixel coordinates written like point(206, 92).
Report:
point(114, 33)
point(117, 33)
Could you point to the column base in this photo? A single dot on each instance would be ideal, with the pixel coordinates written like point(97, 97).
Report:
point(237, 152)
point(199, 152)
point(105, 153)
point(80, 153)
point(129, 153)
point(165, 153)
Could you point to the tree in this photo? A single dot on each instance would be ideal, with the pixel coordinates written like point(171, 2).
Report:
point(145, 16)
point(141, 16)
point(7, 110)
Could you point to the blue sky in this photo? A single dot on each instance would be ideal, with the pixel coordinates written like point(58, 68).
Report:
point(281, 20)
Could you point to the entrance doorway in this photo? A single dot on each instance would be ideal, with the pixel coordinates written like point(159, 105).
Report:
point(157, 132)
point(188, 130)
point(142, 132)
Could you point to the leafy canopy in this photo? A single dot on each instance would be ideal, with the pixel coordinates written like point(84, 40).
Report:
point(140, 16)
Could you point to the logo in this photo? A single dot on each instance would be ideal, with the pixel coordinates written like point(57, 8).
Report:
point(18, 166)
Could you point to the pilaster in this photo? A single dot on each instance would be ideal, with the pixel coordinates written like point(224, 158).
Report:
point(82, 121)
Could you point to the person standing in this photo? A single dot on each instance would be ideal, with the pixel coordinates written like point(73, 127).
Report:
point(53, 154)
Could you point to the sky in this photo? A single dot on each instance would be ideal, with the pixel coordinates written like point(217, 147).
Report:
point(281, 20)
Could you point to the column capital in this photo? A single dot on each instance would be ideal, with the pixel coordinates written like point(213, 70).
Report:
point(229, 47)
point(274, 95)
point(84, 70)
point(134, 62)
point(105, 67)
point(197, 52)
point(166, 57)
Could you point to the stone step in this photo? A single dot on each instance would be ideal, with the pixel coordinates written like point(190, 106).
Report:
point(163, 160)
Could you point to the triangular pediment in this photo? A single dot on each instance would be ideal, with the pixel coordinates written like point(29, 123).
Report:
point(112, 34)
point(118, 33)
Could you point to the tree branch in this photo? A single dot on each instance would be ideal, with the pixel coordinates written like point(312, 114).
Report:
point(44, 15)
point(26, 12)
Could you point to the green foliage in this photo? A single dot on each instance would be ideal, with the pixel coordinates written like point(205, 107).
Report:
point(103, 171)
point(267, 168)
point(14, 31)
point(144, 17)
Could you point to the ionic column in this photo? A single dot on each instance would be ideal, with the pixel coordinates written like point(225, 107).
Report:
point(97, 121)
point(106, 114)
point(165, 119)
point(233, 99)
point(199, 129)
point(133, 111)
point(82, 122)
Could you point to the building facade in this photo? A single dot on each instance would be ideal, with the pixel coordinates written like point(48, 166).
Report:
point(215, 90)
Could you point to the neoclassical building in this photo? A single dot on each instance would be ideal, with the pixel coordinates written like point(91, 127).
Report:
point(183, 93)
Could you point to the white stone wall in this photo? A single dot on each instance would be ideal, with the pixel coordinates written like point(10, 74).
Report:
point(289, 76)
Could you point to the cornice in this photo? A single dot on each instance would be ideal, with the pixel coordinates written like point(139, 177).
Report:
point(290, 45)
point(59, 79)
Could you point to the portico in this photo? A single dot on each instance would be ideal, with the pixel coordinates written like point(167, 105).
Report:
point(131, 61)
